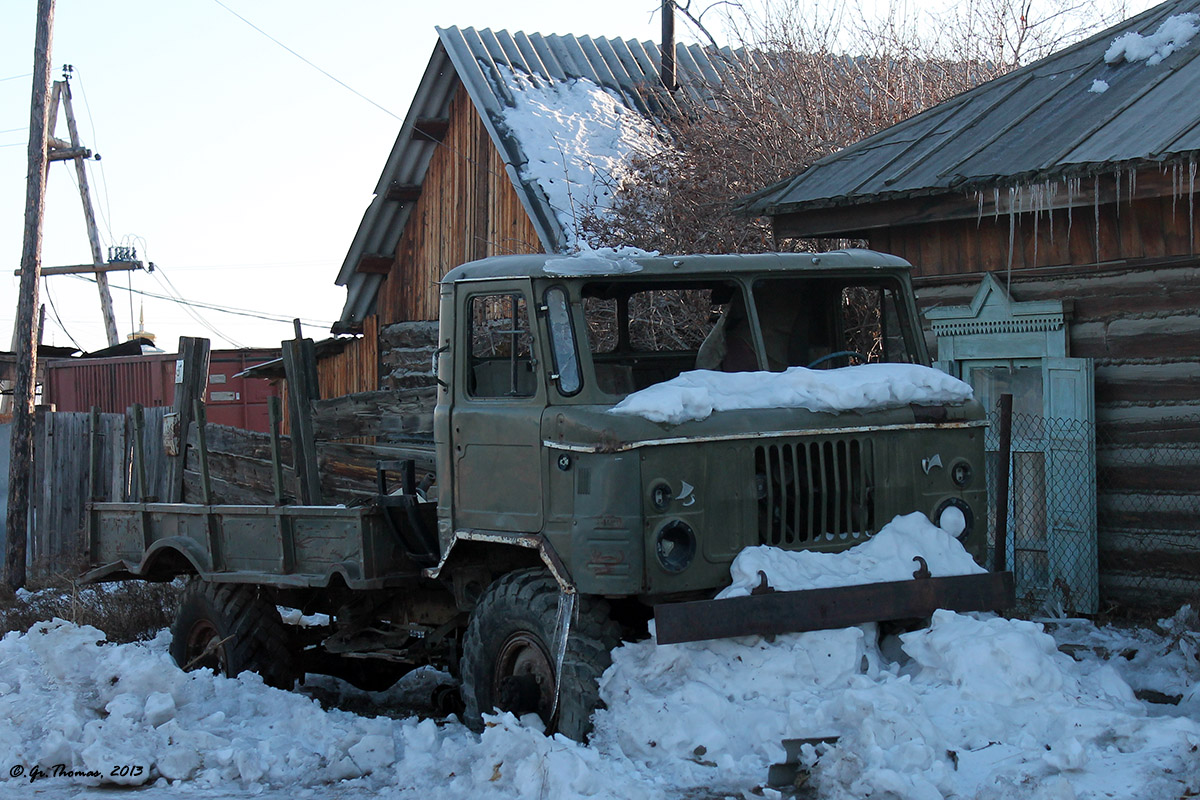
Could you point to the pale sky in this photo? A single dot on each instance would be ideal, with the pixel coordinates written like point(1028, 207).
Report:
point(242, 171)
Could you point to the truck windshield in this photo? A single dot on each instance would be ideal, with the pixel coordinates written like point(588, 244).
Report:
point(642, 333)
point(825, 322)
point(645, 332)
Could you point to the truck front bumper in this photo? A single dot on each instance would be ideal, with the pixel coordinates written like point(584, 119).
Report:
point(767, 611)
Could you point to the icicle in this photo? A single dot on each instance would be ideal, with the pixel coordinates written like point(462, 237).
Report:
point(1036, 217)
point(1050, 210)
point(562, 630)
point(1117, 194)
point(996, 199)
point(1132, 184)
point(1012, 235)
point(1174, 187)
point(1192, 205)
point(1073, 190)
point(979, 213)
point(1096, 205)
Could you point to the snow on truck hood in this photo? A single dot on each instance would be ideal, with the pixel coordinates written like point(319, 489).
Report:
point(697, 394)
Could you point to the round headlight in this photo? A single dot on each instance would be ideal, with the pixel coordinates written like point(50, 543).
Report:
point(960, 473)
point(955, 517)
point(675, 546)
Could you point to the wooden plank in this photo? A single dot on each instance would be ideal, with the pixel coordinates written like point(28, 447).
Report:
point(379, 413)
point(191, 380)
point(375, 264)
point(299, 361)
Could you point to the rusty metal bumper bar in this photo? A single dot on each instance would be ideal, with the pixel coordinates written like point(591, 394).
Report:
point(769, 612)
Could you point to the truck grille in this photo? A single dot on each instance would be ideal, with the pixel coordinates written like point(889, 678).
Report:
point(815, 490)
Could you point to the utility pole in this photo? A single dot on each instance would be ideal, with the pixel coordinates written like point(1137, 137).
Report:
point(85, 195)
point(17, 522)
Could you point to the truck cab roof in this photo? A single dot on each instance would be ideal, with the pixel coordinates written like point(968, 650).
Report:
point(628, 263)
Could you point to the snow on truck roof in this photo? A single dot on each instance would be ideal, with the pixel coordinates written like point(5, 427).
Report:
point(610, 262)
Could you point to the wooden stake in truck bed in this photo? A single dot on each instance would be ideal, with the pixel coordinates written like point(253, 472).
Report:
point(610, 432)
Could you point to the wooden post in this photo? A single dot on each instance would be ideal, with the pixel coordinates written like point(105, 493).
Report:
point(300, 366)
point(95, 456)
point(202, 446)
point(89, 216)
point(139, 452)
point(25, 348)
point(275, 413)
point(191, 380)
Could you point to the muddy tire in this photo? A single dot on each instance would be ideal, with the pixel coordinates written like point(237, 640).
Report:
point(231, 628)
point(508, 657)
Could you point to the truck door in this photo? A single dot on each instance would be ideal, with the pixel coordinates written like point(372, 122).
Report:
point(495, 426)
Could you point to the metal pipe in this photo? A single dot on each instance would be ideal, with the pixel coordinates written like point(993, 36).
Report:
point(1000, 556)
point(667, 72)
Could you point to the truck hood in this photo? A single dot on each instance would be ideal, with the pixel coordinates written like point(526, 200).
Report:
point(595, 428)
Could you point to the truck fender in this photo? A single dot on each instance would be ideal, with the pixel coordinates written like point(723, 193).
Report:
point(345, 571)
point(531, 541)
point(170, 553)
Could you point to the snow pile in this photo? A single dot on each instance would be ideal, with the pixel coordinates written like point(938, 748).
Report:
point(1175, 32)
point(600, 261)
point(979, 707)
point(578, 140)
point(1099, 87)
point(67, 697)
point(887, 556)
point(696, 395)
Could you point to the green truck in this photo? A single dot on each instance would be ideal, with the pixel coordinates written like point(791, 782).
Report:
point(554, 524)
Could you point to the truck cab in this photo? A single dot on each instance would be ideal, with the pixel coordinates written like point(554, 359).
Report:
point(538, 352)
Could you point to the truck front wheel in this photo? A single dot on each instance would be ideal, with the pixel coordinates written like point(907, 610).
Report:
point(509, 656)
point(231, 628)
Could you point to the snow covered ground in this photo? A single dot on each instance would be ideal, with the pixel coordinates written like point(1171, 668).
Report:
point(974, 706)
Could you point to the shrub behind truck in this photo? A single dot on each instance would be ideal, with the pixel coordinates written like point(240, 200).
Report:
point(611, 430)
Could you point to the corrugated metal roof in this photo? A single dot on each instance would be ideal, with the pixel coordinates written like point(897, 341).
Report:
point(1038, 122)
point(486, 62)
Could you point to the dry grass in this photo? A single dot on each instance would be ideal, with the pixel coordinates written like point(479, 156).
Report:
point(126, 611)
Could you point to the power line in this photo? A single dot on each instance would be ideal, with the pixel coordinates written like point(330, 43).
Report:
point(241, 312)
point(106, 211)
point(341, 83)
point(54, 309)
point(16, 77)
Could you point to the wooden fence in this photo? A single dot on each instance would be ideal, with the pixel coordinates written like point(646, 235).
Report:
point(136, 457)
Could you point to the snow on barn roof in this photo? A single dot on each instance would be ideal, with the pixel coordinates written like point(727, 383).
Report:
point(559, 109)
point(1125, 96)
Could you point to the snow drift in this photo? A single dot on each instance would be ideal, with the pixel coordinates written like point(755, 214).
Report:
point(979, 707)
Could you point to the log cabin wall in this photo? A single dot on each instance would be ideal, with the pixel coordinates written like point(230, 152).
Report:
point(468, 209)
point(1136, 313)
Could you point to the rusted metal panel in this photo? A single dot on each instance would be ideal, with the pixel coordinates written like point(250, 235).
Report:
point(115, 384)
point(772, 612)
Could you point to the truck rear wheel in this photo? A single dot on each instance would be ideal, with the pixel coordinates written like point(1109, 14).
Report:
point(231, 628)
point(508, 661)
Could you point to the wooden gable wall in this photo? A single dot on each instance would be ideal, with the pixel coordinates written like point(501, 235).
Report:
point(468, 209)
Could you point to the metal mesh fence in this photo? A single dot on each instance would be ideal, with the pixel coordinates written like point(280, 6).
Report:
point(1100, 520)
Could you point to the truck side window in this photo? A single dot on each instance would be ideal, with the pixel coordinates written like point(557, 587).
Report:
point(562, 341)
point(501, 363)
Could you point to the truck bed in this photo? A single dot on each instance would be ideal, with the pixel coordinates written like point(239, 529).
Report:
point(276, 545)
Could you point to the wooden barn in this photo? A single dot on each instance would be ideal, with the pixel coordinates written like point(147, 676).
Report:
point(1050, 215)
point(466, 179)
